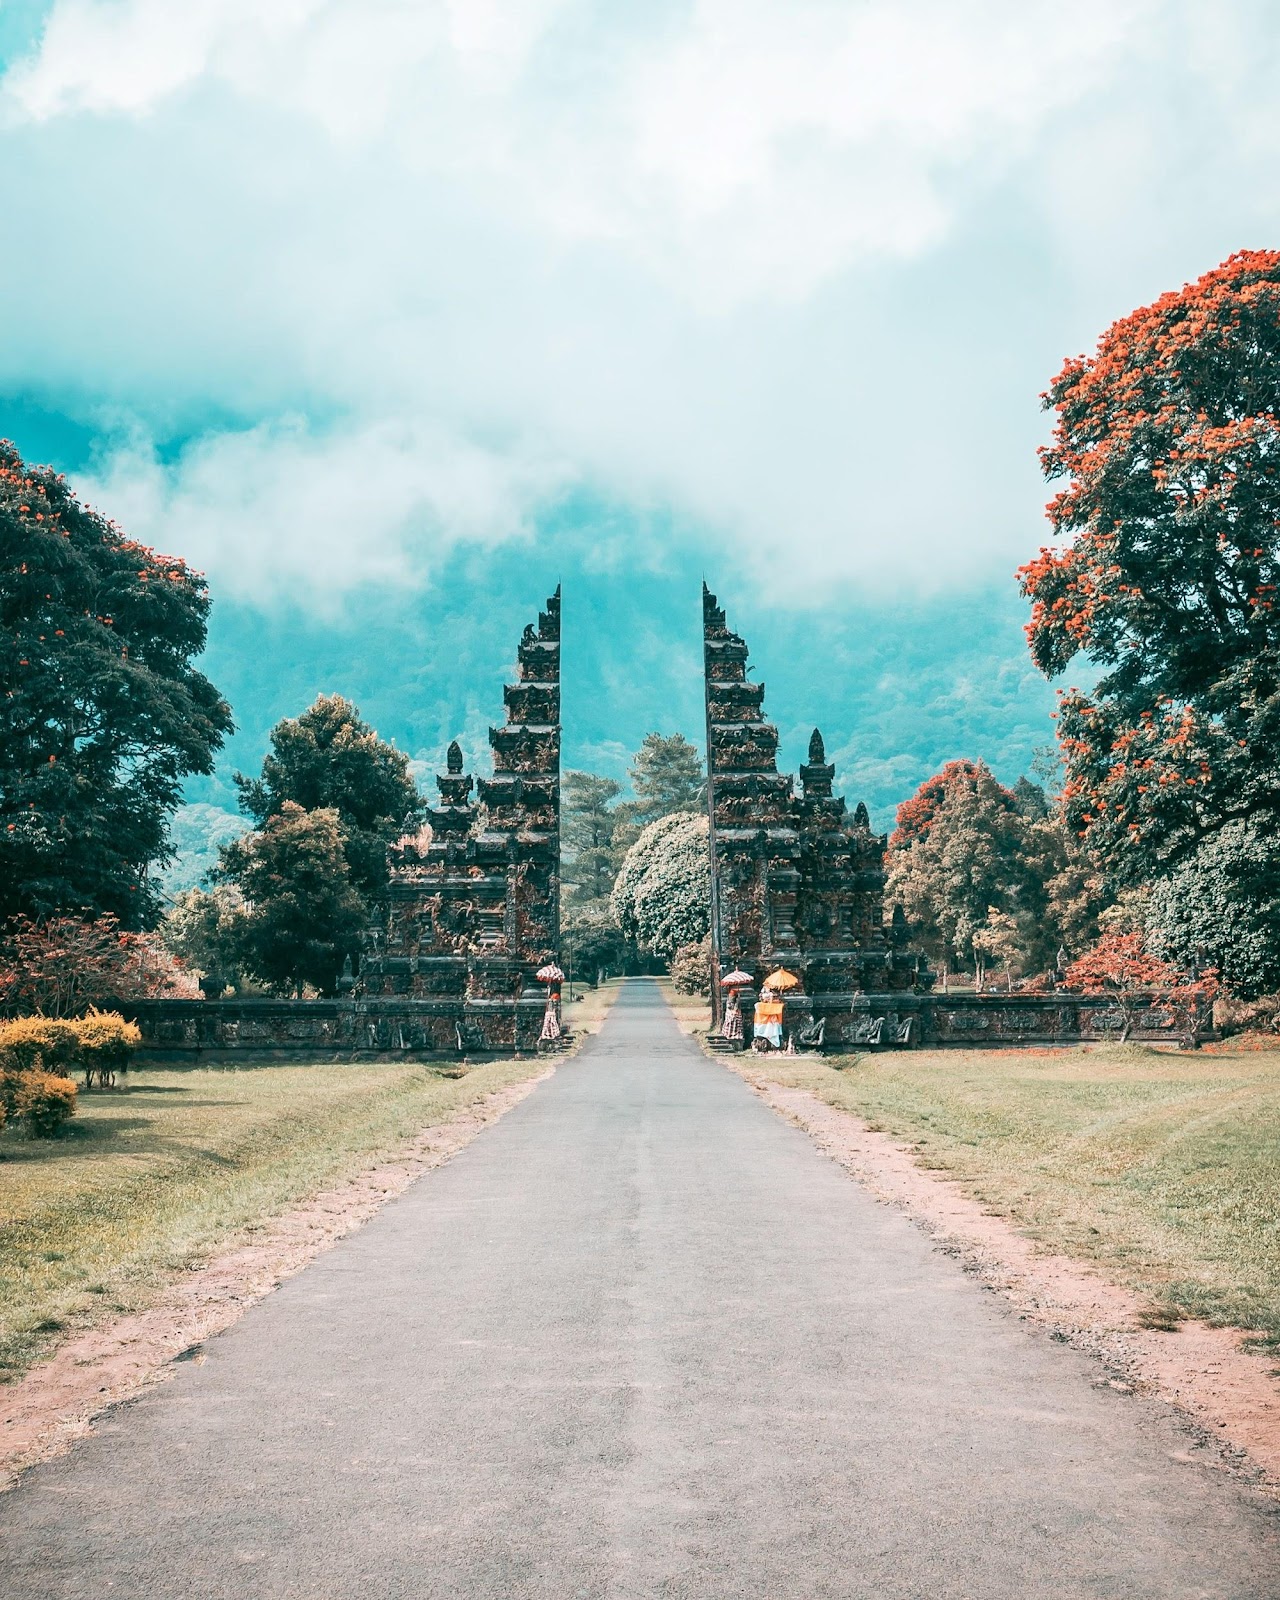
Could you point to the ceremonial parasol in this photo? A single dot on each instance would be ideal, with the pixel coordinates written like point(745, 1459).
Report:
point(781, 979)
point(549, 974)
point(738, 979)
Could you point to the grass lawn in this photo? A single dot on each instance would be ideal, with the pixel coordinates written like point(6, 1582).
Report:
point(1164, 1168)
point(154, 1176)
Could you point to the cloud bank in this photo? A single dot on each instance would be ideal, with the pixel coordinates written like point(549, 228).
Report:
point(346, 286)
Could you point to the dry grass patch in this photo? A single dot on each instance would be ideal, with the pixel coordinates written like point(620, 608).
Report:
point(1162, 1167)
point(153, 1176)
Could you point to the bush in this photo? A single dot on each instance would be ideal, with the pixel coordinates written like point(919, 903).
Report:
point(44, 1101)
point(34, 1042)
point(107, 1043)
point(29, 1091)
point(662, 897)
point(1247, 1016)
point(58, 966)
point(37, 1055)
point(690, 967)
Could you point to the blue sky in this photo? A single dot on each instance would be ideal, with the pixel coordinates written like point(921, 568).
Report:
point(389, 316)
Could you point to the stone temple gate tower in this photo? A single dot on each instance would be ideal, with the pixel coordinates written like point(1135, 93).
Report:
point(796, 881)
point(474, 909)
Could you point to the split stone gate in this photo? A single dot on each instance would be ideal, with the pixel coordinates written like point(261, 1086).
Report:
point(474, 905)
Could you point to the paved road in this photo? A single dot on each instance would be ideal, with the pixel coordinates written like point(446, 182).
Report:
point(639, 1339)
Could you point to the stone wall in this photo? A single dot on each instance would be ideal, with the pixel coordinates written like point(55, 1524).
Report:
point(937, 1021)
point(319, 1029)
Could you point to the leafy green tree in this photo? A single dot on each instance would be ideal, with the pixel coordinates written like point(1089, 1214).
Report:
point(588, 823)
point(1166, 570)
point(1076, 888)
point(591, 940)
point(967, 865)
point(302, 915)
point(205, 930)
point(1221, 908)
point(667, 777)
point(1031, 800)
point(1000, 940)
point(662, 896)
point(103, 713)
point(328, 758)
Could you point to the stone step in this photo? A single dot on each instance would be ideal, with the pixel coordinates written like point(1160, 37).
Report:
point(555, 1047)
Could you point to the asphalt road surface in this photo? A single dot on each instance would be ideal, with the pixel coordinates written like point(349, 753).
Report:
point(639, 1339)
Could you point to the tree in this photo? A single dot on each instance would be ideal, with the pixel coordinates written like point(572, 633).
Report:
point(328, 758)
point(302, 916)
point(964, 850)
point(204, 929)
point(663, 893)
point(1001, 939)
point(667, 777)
point(690, 967)
point(1167, 570)
point(1076, 889)
point(1221, 908)
point(103, 714)
point(1120, 965)
point(588, 826)
point(591, 940)
point(61, 966)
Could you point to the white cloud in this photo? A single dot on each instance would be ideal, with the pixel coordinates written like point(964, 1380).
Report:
point(795, 271)
point(271, 505)
point(739, 147)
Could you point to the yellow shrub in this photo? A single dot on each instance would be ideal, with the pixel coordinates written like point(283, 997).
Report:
point(31, 1041)
point(106, 1045)
point(37, 1053)
point(44, 1101)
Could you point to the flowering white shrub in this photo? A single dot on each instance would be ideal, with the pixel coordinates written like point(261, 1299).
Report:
point(662, 896)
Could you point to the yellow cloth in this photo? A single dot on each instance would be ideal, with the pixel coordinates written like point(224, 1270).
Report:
point(768, 1011)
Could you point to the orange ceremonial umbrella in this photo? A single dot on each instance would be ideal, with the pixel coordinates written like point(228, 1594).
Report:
point(781, 979)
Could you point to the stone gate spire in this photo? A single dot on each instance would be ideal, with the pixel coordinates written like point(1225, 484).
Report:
point(754, 842)
point(474, 912)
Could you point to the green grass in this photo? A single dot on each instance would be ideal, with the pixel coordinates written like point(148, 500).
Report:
point(154, 1176)
point(1162, 1168)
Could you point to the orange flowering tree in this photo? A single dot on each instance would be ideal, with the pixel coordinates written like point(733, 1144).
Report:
point(1166, 569)
point(1121, 966)
point(102, 713)
point(60, 966)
